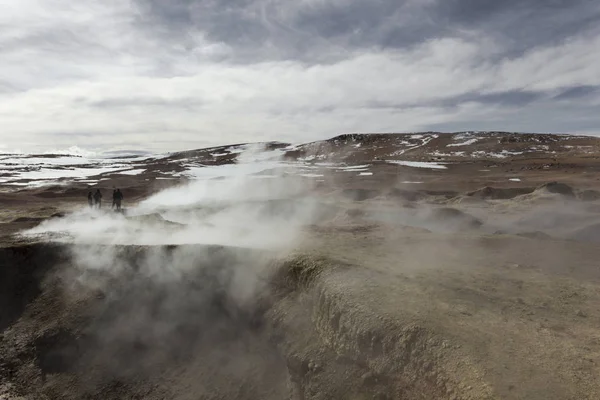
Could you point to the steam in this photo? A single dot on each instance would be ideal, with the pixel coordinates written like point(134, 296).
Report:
point(158, 303)
point(234, 208)
point(241, 208)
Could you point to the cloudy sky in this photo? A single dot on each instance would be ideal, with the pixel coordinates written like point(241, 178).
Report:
point(177, 74)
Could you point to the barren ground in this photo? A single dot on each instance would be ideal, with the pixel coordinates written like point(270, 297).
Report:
point(465, 285)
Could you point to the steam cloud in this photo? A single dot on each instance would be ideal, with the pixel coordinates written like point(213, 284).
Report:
point(243, 209)
point(159, 303)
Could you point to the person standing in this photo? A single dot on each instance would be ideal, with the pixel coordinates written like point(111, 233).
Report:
point(118, 199)
point(114, 203)
point(98, 199)
point(90, 199)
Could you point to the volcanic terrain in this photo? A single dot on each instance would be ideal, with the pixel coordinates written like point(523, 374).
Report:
point(368, 266)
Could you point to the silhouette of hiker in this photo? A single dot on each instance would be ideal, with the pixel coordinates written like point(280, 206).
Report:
point(118, 197)
point(114, 203)
point(98, 198)
point(90, 199)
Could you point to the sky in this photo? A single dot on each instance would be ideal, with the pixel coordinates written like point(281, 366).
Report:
point(168, 75)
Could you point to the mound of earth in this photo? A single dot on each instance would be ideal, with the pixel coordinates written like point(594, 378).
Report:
point(455, 218)
point(548, 193)
point(557, 188)
point(467, 200)
point(491, 193)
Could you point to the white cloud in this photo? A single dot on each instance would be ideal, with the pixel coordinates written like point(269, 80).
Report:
point(84, 74)
point(571, 63)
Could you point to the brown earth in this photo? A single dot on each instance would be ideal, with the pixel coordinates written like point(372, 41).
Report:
point(464, 286)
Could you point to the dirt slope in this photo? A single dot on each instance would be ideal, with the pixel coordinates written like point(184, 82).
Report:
point(338, 323)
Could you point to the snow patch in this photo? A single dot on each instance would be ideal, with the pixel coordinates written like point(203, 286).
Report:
point(418, 164)
point(39, 184)
point(44, 160)
point(454, 154)
point(49, 173)
point(354, 168)
point(502, 154)
point(466, 143)
point(131, 172)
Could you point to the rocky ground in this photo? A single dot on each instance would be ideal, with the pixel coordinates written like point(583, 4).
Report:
point(417, 266)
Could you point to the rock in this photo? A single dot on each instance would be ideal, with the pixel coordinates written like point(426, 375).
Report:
point(368, 378)
point(464, 311)
point(580, 313)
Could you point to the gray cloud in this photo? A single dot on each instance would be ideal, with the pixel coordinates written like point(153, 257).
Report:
point(142, 102)
point(522, 24)
point(577, 92)
point(279, 28)
point(513, 98)
point(205, 71)
point(541, 118)
point(306, 30)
